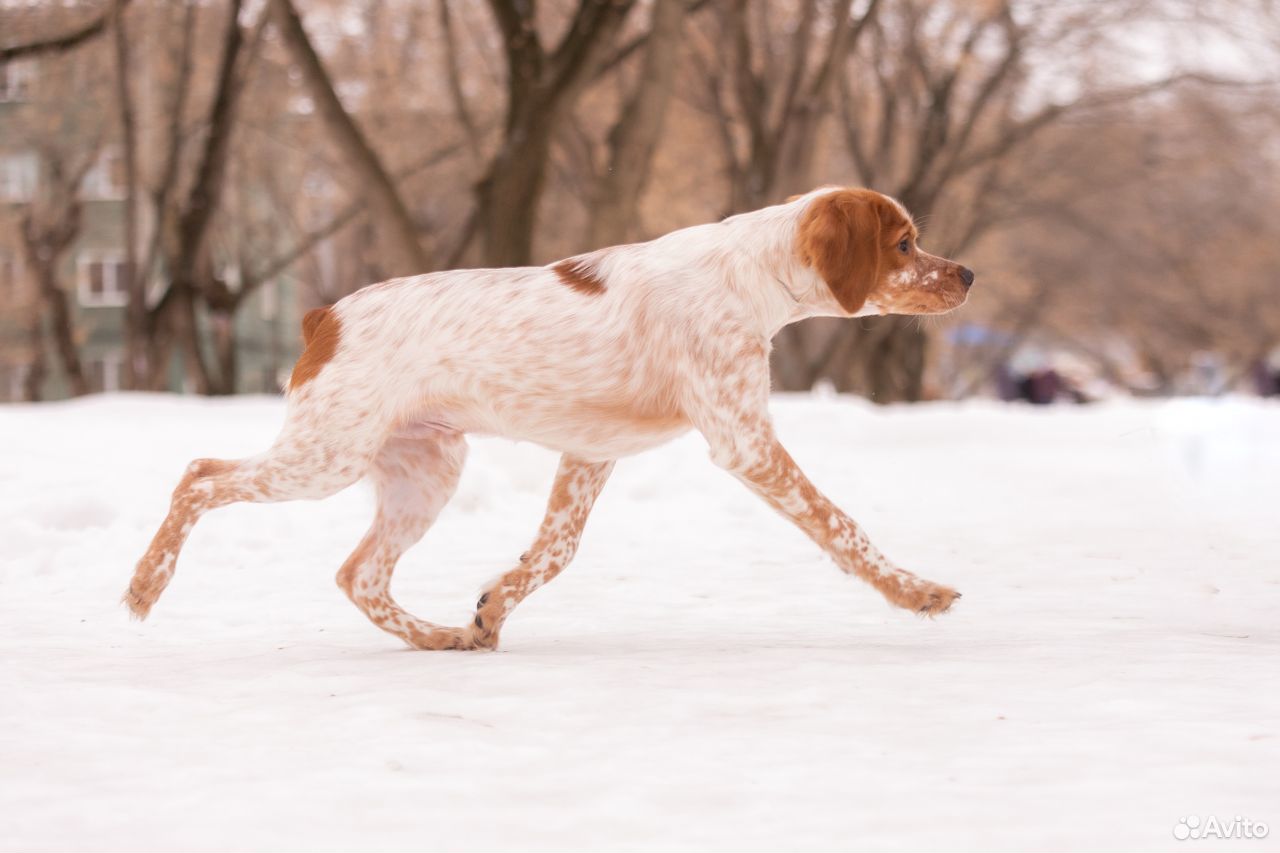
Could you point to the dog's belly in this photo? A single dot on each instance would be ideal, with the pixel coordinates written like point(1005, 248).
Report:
point(597, 434)
point(595, 429)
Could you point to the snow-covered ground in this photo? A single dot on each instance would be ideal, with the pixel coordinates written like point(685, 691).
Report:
point(701, 677)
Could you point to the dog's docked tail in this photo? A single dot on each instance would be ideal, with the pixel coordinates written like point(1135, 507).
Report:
point(320, 333)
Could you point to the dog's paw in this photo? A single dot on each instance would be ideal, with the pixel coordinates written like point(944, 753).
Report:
point(482, 633)
point(932, 599)
point(436, 638)
point(139, 605)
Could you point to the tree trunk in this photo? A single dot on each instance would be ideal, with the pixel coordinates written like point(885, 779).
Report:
point(187, 332)
point(508, 196)
point(542, 86)
point(44, 247)
point(54, 300)
point(222, 325)
point(160, 350)
point(135, 345)
point(33, 382)
point(185, 234)
point(616, 195)
point(883, 360)
point(64, 338)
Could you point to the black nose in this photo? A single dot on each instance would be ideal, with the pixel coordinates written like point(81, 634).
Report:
point(966, 275)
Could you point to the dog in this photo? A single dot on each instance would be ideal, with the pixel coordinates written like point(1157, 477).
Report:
point(597, 356)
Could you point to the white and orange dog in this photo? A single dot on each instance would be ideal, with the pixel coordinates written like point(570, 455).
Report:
point(597, 356)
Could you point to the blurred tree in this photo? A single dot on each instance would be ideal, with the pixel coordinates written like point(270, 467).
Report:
point(1015, 131)
point(615, 193)
point(770, 93)
point(541, 87)
point(62, 141)
point(185, 223)
point(378, 186)
point(49, 227)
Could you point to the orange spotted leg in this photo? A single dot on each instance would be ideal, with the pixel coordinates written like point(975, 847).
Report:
point(414, 479)
point(577, 485)
point(299, 466)
point(735, 421)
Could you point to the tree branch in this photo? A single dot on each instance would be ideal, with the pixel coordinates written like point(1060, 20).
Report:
point(202, 202)
point(453, 76)
point(402, 231)
point(66, 41)
point(629, 49)
point(309, 241)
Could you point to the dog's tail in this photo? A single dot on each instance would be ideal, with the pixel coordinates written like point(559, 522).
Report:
point(320, 334)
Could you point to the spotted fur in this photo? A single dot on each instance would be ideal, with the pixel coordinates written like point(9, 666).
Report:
point(675, 335)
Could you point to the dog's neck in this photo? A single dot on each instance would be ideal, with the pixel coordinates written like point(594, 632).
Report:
point(769, 277)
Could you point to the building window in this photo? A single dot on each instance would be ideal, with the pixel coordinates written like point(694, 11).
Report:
point(15, 80)
point(18, 176)
point(106, 371)
point(101, 279)
point(105, 181)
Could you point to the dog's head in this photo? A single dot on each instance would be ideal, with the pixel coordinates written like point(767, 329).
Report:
point(863, 245)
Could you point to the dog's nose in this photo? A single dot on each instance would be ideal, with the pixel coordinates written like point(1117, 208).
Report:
point(966, 275)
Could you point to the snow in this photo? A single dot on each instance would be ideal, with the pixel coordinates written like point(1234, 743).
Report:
point(701, 677)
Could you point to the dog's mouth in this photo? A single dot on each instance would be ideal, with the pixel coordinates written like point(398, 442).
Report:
point(934, 286)
point(926, 299)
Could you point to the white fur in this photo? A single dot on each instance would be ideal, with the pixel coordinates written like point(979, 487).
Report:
point(670, 335)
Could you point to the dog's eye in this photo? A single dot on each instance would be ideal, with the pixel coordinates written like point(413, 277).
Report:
point(905, 245)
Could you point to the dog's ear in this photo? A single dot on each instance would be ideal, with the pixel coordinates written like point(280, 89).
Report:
point(841, 236)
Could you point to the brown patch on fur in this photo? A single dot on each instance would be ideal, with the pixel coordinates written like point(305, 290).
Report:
point(843, 235)
point(573, 273)
point(321, 331)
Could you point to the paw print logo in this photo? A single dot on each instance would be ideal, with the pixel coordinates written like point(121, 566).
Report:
point(1187, 827)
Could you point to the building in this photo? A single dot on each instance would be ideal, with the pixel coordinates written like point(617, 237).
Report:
point(92, 271)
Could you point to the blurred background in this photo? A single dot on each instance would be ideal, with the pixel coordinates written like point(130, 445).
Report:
point(181, 179)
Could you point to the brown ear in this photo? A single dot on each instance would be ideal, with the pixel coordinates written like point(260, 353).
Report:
point(840, 237)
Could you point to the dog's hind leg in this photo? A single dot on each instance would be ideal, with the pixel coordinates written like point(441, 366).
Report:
point(305, 462)
point(578, 484)
point(414, 479)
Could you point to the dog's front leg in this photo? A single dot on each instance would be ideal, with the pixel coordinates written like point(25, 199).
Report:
point(732, 413)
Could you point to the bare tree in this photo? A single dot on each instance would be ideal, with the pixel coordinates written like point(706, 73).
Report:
point(776, 89)
point(49, 227)
point(185, 238)
point(412, 257)
point(542, 85)
point(769, 96)
point(135, 356)
point(938, 129)
point(615, 195)
point(1008, 127)
point(64, 134)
